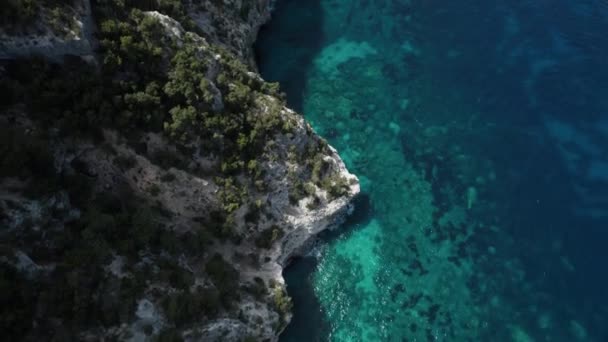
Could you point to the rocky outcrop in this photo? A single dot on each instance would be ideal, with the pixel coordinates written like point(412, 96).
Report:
point(187, 194)
point(233, 24)
point(57, 32)
point(301, 223)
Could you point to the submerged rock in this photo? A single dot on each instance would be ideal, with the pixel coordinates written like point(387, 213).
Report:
point(471, 197)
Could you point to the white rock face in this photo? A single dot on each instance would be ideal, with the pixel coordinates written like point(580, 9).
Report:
point(172, 27)
point(147, 315)
point(233, 24)
point(307, 223)
point(300, 223)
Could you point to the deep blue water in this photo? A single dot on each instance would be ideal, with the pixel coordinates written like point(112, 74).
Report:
point(479, 131)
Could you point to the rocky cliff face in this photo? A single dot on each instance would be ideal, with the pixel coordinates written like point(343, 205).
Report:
point(52, 32)
point(186, 274)
point(233, 24)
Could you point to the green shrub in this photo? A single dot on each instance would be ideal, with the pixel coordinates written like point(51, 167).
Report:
point(282, 303)
point(187, 82)
point(239, 97)
point(335, 186)
point(231, 195)
point(62, 20)
point(297, 190)
point(184, 123)
point(268, 236)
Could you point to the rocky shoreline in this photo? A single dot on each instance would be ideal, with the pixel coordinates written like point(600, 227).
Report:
point(232, 25)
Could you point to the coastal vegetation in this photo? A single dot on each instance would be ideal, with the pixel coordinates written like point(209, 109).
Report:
point(95, 250)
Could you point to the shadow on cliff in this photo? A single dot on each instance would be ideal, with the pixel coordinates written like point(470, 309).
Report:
point(287, 45)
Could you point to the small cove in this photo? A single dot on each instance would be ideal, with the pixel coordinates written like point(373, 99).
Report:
point(478, 131)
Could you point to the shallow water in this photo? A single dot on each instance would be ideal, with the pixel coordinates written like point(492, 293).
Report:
point(479, 131)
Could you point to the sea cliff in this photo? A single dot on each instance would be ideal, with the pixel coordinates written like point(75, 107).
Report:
point(155, 189)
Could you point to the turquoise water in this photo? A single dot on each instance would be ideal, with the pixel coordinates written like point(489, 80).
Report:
point(479, 131)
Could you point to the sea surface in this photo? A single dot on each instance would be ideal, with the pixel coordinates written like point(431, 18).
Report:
point(479, 131)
